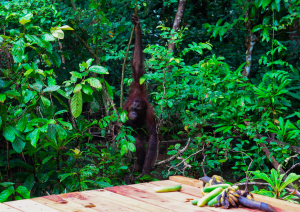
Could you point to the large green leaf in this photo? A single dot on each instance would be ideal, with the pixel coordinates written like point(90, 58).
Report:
point(9, 133)
point(109, 90)
point(6, 193)
point(266, 3)
point(18, 145)
point(264, 177)
point(33, 136)
point(23, 191)
point(291, 178)
point(65, 27)
point(18, 50)
point(58, 33)
point(131, 147)
point(46, 101)
point(2, 97)
point(94, 83)
point(76, 104)
point(29, 182)
point(98, 69)
point(52, 88)
point(25, 19)
point(55, 58)
point(48, 37)
point(276, 178)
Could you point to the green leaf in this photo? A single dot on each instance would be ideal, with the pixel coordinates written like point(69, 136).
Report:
point(275, 6)
point(18, 145)
point(61, 133)
point(142, 80)
point(12, 93)
point(23, 191)
point(58, 33)
point(291, 178)
point(28, 95)
point(124, 149)
point(22, 123)
point(265, 3)
point(131, 147)
point(109, 90)
point(46, 101)
point(2, 83)
point(256, 28)
point(18, 50)
point(28, 72)
point(6, 184)
point(219, 22)
point(55, 58)
point(76, 104)
point(77, 74)
point(89, 62)
point(131, 138)
point(64, 176)
point(26, 19)
point(123, 116)
point(48, 37)
point(51, 88)
point(5, 194)
point(29, 182)
point(98, 69)
point(264, 177)
point(60, 112)
point(61, 92)
point(46, 159)
point(9, 133)
point(87, 90)
point(296, 96)
point(2, 97)
point(33, 137)
point(66, 27)
point(77, 88)
point(65, 124)
point(94, 83)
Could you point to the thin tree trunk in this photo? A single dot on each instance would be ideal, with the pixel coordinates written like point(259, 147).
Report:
point(73, 5)
point(177, 22)
point(250, 41)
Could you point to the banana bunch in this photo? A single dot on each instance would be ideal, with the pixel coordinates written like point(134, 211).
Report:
point(215, 179)
point(230, 197)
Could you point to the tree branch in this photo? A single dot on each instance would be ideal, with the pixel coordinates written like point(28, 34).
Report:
point(174, 156)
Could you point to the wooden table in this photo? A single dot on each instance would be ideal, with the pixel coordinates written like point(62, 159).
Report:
point(138, 197)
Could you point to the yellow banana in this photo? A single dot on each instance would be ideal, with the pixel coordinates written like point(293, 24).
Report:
point(233, 198)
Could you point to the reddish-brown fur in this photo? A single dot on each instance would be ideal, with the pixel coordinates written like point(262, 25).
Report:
point(138, 94)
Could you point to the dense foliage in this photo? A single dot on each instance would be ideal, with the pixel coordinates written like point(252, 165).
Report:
point(232, 85)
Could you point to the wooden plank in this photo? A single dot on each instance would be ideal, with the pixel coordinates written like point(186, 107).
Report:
point(187, 181)
point(7, 208)
point(28, 205)
point(142, 206)
point(183, 197)
point(154, 199)
point(51, 201)
point(184, 188)
point(88, 198)
point(280, 205)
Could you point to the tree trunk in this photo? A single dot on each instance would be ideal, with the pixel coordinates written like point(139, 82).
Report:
point(250, 41)
point(177, 22)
